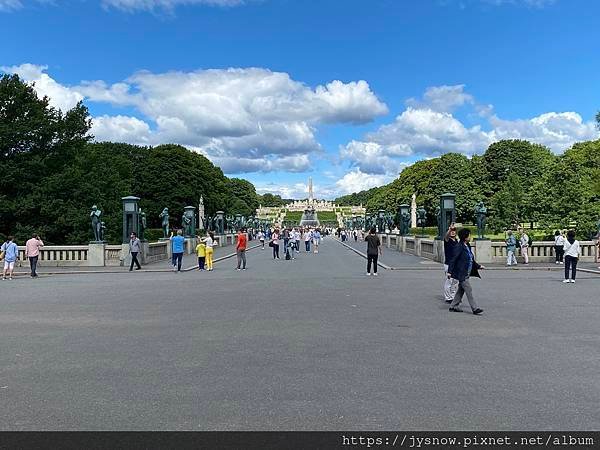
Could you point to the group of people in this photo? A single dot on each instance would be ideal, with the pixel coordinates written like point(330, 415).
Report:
point(290, 238)
point(523, 241)
point(9, 253)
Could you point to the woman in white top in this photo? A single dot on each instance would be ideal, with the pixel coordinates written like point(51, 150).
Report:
point(524, 241)
point(210, 243)
point(559, 243)
point(572, 252)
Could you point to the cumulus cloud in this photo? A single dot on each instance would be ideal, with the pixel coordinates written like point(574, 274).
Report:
point(248, 119)
point(60, 96)
point(443, 98)
point(356, 181)
point(429, 128)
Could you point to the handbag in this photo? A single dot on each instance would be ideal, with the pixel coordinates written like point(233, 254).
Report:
point(271, 244)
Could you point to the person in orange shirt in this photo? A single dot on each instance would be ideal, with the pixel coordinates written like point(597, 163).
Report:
point(240, 249)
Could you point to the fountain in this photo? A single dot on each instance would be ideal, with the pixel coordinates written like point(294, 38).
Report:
point(309, 218)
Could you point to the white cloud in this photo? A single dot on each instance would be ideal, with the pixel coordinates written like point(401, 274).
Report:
point(122, 129)
point(374, 158)
point(356, 181)
point(443, 98)
point(60, 96)
point(247, 119)
point(557, 131)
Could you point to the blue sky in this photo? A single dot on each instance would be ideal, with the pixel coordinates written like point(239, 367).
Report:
point(348, 92)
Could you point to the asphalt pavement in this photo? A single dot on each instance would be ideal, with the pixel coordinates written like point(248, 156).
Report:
point(305, 344)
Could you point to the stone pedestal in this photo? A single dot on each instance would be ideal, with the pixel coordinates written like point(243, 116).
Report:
point(190, 245)
point(483, 251)
point(126, 256)
point(96, 254)
point(438, 250)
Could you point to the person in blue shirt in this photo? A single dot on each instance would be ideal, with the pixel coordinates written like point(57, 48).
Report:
point(177, 246)
point(11, 254)
point(461, 267)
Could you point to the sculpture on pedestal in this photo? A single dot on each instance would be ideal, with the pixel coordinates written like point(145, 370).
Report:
point(102, 231)
point(143, 225)
point(422, 219)
point(186, 224)
point(404, 223)
point(96, 224)
point(438, 216)
point(164, 216)
point(480, 213)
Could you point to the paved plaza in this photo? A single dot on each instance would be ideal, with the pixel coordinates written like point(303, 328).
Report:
point(308, 344)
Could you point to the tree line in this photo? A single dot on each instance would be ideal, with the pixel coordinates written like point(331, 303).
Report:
point(520, 182)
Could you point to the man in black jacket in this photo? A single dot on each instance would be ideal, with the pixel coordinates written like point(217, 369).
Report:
point(461, 267)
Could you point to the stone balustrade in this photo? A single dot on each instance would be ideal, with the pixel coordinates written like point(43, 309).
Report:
point(485, 251)
point(57, 255)
point(102, 254)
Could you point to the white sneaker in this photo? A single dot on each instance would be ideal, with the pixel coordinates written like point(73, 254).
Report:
point(368, 274)
point(572, 281)
point(375, 275)
point(566, 281)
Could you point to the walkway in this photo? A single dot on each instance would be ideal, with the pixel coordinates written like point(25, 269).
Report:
point(297, 345)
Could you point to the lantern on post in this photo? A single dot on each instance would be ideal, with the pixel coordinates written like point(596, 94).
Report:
point(131, 217)
point(447, 214)
point(404, 218)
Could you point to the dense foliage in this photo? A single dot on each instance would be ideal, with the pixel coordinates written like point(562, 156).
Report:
point(52, 174)
point(519, 182)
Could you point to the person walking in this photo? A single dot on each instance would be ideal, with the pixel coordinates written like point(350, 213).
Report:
point(461, 267)
point(201, 252)
point(355, 234)
point(316, 240)
point(572, 252)
point(240, 249)
point(450, 247)
point(511, 248)
point(177, 247)
point(275, 243)
point(524, 242)
point(209, 242)
point(373, 251)
point(286, 237)
point(297, 239)
point(559, 244)
point(10, 252)
point(32, 251)
point(261, 237)
point(307, 239)
point(135, 246)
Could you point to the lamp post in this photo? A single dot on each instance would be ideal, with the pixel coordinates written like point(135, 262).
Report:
point(381, 220)
point(447, 213)
point(131, 217)
point(404, 218)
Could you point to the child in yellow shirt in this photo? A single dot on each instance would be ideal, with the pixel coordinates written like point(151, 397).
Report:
point(201, 251)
